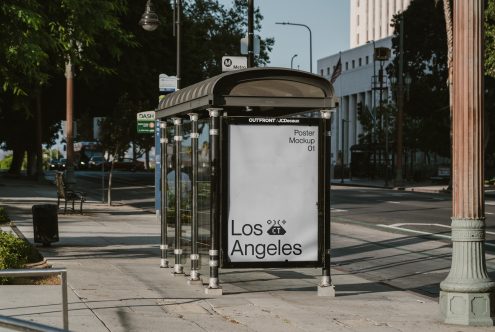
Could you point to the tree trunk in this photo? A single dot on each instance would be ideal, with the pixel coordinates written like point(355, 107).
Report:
point(147, 159)
point(39, 132)
point(110, 173)
point(17, 159)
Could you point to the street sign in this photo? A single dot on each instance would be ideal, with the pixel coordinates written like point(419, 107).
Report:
point(256, 46)
point(146, 122)
point(167, 83)
point(231, 63)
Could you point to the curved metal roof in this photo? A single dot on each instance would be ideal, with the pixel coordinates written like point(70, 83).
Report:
point(262, 91)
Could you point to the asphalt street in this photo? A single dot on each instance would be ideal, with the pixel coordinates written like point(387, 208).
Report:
point(404, 211)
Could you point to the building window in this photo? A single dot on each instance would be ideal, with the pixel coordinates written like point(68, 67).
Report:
point(357, 38)
point(353, 64)
point(367, 59)
point(359, 62)
point(346, 65)
point(321, 72)
point(328, 70)
point(357, 20)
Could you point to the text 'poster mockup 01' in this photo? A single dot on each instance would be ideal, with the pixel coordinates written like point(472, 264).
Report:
point(273, 191)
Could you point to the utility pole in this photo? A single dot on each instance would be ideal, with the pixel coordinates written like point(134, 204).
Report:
point(250, 33)
point(70, 178)
point(467, 295)
point(399, 181)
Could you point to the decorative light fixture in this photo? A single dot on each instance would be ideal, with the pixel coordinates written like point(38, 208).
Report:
point(149, 20)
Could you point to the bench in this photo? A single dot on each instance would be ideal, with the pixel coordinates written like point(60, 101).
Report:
point(68, 195)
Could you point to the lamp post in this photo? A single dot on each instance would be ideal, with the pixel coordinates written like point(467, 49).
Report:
point(250, 33)
point(373, 105)
point(310, 41)
point(382, 54)
point(292, 61)
point(70, 178)
point(467, 295)
point(150, 22)
point(343, 149)
point(400, 86)
point(400, 105)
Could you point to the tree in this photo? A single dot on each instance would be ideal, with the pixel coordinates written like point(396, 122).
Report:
point(427, 124)
point(113, 56)
point(36, 40)
point(115, 133)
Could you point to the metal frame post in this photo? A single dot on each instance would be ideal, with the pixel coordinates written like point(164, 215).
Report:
point(250, 33)
point(14, 273)
point(325, 288)
point(65, 302)
point(163, 210)
point(214, 253)
point(178, 268)
point(194, 206)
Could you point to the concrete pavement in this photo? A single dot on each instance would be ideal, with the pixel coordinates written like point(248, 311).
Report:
point(115, 283)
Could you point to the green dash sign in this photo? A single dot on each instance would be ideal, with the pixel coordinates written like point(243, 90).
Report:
point(146, 122)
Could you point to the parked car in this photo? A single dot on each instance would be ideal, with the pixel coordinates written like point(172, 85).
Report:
point(54, 164)
point(96, 162)
point(62, 164)
point(128, 164)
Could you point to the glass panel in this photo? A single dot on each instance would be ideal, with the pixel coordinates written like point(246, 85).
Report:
point(186, 202)
point(276, 88)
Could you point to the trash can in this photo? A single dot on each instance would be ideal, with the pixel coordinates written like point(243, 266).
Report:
point(45, 223)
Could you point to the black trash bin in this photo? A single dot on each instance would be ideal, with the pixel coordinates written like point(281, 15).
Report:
point(45, 223)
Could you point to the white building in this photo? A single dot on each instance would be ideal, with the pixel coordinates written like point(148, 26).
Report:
point(354, 85)
point(370, 28)
point(370, 19)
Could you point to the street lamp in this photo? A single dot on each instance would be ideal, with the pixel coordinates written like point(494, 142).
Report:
point(149, 21)
point(401, 89)
point(292, 61)
point(373, 111)
point(310, 42)
point(382, 54)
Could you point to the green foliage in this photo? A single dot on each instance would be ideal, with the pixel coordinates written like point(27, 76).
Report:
point(113, 57)
point(14, 253)
point(490, 38)
point(5, 162)
point(4, 217)
point(426, 111)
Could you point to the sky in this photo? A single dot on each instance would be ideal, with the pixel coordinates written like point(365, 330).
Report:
point(327, 19)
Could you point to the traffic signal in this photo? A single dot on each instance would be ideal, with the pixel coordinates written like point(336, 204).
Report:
point(359, 107)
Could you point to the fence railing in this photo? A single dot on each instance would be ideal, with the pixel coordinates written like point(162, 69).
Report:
point(4, 321)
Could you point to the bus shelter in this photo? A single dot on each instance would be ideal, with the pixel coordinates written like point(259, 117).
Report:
point(257, 166)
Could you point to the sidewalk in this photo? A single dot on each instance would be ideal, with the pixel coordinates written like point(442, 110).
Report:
point(115, 283)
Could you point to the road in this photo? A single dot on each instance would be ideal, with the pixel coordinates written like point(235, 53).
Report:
point(400, 238)
point(410, 212)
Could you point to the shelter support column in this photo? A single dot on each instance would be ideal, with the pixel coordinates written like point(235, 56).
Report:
point(194, 205)
point(178, 268)
point(163, 212)
point(467, 294)
point(325, 288)
point(214, 253)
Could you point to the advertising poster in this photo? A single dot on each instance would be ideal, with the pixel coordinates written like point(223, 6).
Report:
point(273, 191)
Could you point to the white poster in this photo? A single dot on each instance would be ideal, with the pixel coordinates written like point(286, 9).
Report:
point(273, 193)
